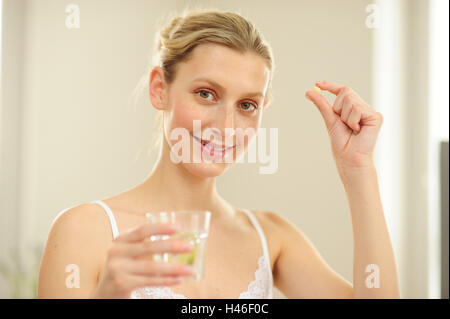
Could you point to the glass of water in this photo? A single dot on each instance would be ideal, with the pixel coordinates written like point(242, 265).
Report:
point(194, 228)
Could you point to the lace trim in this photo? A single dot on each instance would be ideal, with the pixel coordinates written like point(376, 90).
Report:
point(259, 288)
point(156, 293)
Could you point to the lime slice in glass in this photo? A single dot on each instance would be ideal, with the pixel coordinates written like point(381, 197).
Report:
point(189, 257)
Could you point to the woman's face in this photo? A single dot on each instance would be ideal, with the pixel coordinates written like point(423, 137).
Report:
point(224, 90)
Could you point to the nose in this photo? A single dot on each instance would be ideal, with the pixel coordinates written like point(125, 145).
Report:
point(224, 125)
point(228, 124)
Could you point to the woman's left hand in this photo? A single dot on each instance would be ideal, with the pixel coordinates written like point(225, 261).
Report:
point(352, 125)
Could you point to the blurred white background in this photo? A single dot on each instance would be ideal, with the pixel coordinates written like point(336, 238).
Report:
point(69, 134)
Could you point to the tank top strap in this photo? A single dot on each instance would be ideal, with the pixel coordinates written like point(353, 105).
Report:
point(112, 219)
point(261, 235)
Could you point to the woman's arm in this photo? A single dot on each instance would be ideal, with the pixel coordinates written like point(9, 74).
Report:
point(300, 271)
point(353, 127)
point(374, 267)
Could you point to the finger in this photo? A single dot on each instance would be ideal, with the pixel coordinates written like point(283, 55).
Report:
point(147, 248)
point(354, 119)
point(339, 101)
point(324, 107)
point(145, 230)
point(154, 268)
point(332, 87)
point(346, 109)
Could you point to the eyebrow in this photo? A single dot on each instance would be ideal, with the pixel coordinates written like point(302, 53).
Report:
point(214, 83)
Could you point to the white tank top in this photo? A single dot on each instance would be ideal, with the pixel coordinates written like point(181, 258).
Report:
point(260, 288)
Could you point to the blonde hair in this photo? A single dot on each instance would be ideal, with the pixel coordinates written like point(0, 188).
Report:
point(177, 38)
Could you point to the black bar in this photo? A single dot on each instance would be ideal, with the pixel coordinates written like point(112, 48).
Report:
point(444, 219)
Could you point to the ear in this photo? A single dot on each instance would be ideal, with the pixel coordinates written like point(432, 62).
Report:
point(157, 86)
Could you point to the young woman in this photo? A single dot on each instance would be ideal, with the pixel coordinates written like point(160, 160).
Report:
point(215, 67)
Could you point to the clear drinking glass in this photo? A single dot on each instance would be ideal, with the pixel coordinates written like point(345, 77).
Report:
point(194, 228)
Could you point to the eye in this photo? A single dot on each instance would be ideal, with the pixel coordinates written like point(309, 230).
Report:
point(247, 107)
point(204, 93)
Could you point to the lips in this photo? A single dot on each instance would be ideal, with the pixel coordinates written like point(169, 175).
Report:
point(213, 146)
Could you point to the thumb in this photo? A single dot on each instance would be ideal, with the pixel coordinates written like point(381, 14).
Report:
point(324, 107)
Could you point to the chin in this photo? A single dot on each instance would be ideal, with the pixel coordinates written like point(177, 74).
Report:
point(206, 169)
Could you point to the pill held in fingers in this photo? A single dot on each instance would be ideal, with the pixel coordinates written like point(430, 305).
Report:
point(316, 89)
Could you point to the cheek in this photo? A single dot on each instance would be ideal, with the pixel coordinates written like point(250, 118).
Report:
point(183, 114)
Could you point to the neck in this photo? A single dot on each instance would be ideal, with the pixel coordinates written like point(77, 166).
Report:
point(171, 187)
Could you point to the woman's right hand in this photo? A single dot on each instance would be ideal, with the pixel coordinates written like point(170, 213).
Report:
point(129, 264)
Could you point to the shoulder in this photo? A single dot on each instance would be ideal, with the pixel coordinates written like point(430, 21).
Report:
point(81, 227)
point(83, 219)
point(282, 235)
point(267, 219)
point(272, 220)
point(281, 228)
point(81, 230)
point(78, 238)
point(277, 227)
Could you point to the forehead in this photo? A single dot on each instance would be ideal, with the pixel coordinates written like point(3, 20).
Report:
point(229, 67)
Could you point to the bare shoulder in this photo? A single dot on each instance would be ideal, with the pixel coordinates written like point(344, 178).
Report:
point(85, 226)
point(267, 219)
point(272, 226)
point(282, 228)
point(78, 216)
point(85, 221)
point(282, 235)
point(274, 221)
point(78, 238)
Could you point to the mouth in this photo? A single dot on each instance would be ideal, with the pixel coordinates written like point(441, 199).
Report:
point(212, 147)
